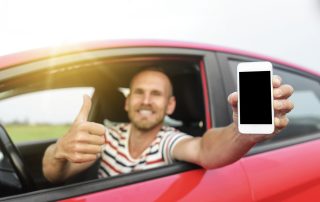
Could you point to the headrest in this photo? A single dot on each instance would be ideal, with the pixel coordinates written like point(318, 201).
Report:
point(189, 97)
point(110, 105)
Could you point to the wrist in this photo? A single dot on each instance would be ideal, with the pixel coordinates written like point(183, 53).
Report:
point(248, 139)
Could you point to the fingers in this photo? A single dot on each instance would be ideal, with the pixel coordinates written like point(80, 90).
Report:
point(283, 92)
point(91, 133)
point(84, 152)
point(87, 148)
point(83, 142)
point(92, 128)
point(233, 99)
point(85, 109)
point(82, 148)
point(276, 81)
point(82, 158)
point(281, 122)
point(283, 106)
point(89, 139)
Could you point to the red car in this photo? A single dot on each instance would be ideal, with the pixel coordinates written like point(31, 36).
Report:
point(285, 168)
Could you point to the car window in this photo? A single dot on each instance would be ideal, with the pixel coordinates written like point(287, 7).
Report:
point(41, 115)
point(305, 118)
point(108, 76)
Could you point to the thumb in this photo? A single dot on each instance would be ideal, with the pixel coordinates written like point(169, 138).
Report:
point(85, 109)
point(233, 101)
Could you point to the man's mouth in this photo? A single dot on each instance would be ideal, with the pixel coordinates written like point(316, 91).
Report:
point(145, 112)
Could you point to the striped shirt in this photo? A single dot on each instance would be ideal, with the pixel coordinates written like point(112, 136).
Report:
point(115, 158)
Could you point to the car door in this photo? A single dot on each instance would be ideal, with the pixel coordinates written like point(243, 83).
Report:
point(285, 168)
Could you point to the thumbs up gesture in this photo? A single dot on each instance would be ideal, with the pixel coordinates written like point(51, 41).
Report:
point(82, 143)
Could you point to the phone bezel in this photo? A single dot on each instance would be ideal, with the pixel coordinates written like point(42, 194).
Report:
point(255, 128)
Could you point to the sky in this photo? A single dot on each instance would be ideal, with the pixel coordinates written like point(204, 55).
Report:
point(284, 29)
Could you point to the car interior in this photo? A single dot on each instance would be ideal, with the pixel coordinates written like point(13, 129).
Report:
point(108, 77)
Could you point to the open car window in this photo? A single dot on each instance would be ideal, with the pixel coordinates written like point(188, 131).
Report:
point(46, 101)
point(43, 114)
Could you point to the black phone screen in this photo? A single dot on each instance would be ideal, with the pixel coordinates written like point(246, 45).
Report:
point(255, 97)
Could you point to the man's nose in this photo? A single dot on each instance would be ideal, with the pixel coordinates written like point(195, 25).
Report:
point(146, 98)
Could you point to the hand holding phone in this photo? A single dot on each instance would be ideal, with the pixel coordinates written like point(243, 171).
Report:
point(255, 98)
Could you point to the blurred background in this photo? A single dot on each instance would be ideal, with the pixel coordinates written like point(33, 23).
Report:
point(286, 29)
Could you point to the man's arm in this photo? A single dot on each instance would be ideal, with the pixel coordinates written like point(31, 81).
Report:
point(76, 150)
point(222, 146)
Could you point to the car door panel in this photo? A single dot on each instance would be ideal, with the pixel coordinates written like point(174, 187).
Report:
point(286, 167)
point(32, 153)
point(286, 174)
point(195, 185)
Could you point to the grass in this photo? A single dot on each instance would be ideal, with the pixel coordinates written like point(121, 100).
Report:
point(23, 133)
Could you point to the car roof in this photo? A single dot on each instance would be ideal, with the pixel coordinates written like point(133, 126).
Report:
point(7, 61)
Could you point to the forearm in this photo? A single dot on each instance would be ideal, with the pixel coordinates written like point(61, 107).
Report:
point(222, 146)
point(58, 170)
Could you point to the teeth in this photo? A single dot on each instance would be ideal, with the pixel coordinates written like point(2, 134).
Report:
point(145, 112)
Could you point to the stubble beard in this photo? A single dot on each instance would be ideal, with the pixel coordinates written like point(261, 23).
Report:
point(145, 125)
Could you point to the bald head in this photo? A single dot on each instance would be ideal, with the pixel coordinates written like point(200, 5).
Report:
point(155, 74)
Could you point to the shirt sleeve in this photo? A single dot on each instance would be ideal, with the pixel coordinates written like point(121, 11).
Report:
point(170, 141)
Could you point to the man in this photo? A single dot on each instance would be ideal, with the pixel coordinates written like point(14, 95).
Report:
point(145, 142)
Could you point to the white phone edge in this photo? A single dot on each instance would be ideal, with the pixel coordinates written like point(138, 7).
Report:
point(255, 128)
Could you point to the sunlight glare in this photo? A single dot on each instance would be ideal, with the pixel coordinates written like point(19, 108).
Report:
point(56, 23)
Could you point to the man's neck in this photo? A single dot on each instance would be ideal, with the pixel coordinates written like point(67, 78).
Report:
point(140, 139)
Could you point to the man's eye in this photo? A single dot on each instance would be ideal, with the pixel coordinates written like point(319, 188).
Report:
point(156, 93)
point(138, 92)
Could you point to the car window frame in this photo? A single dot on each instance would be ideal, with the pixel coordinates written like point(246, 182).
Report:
point(208, 76)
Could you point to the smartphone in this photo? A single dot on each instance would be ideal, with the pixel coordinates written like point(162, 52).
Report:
point(255, 98)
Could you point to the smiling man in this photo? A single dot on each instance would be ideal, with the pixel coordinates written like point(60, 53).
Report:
point(145, 142)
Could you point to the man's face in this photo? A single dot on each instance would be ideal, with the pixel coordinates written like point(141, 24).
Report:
point(150, 100)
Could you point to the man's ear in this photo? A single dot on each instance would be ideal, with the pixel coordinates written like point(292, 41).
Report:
point(171, 105)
